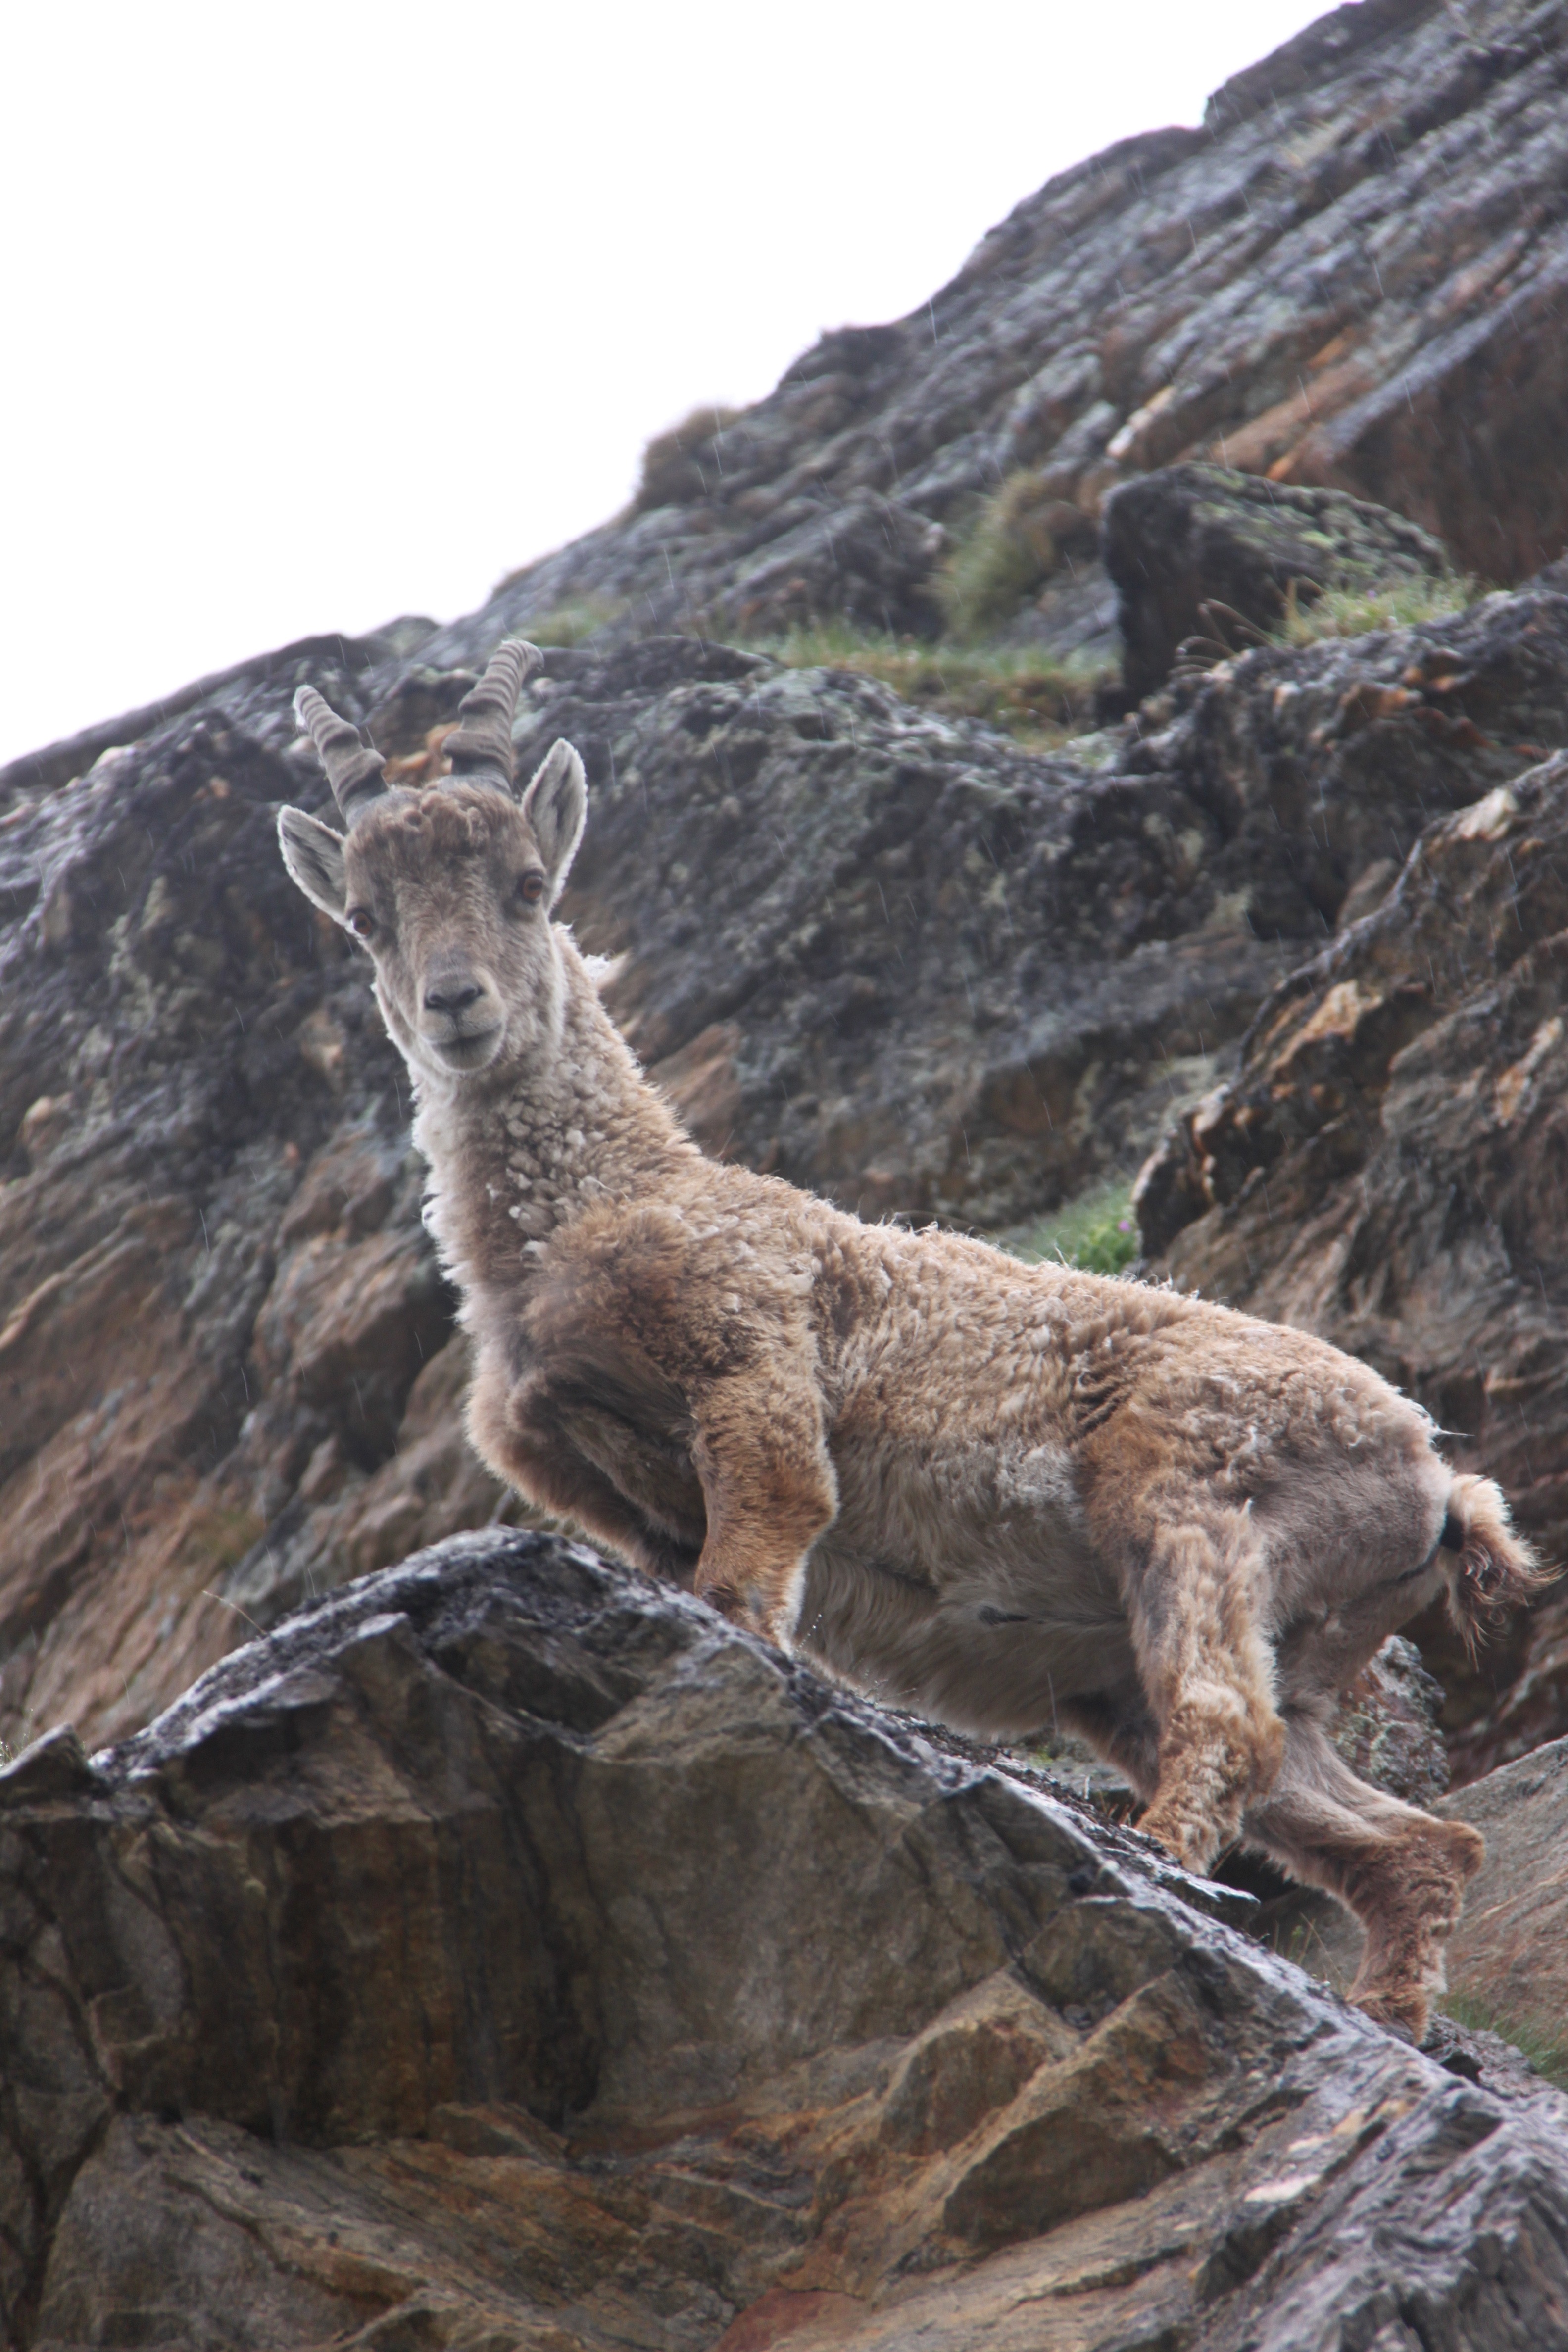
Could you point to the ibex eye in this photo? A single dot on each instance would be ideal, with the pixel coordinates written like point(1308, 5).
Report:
point(531, 886)
point(361, 923)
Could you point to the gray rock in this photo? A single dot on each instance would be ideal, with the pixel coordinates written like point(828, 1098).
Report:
point(1198, 552)
point(506, 1951)
point(1508, 1957)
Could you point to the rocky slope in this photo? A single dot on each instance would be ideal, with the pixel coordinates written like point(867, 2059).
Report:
point(422, 1979)
point(511, 1955)
point(1352, 274)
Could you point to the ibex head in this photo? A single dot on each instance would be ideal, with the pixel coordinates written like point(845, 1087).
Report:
point(449, 888)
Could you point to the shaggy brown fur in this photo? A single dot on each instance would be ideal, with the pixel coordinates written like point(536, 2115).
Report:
point(1009, 1497)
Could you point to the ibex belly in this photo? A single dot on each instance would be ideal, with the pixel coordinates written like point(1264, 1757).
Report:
point(966, 1588)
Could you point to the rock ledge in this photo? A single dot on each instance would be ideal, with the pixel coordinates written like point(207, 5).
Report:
point(508, 1953)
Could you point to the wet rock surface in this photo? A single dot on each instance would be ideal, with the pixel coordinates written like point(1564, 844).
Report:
point(451, 1969)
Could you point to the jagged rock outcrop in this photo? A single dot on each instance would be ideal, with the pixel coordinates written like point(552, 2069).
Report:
point(451, 1969)
point(1386, 1168)
point(1351, 276)
point(1198, 552)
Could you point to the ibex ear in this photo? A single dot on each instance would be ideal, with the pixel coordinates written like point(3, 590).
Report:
point(556, 807)
point(313, 854)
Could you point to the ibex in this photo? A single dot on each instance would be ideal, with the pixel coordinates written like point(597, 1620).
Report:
point(1007, 1496)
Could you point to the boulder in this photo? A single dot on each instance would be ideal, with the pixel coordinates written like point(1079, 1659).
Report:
point(869, 560)
point(1200, 552)
point(507, 1952)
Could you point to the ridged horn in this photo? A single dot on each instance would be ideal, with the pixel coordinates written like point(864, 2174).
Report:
point(480, 746)
point(355, 772)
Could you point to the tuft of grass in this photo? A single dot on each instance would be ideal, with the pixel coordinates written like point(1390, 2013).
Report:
point(1356, 612)
point(570, 624)
point(1007, 549)
point(1098, 1233)
point(1041, 703)
point(1012, 542)
point(1543, 2041)
point(679, 468)
point(11, 1749)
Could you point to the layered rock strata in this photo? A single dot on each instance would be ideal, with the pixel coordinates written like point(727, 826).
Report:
point(506, 1953)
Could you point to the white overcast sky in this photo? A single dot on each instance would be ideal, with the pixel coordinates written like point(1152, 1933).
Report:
point(316, 314)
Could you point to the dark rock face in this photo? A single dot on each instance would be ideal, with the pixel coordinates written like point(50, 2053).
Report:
point(1195, 550)
point(1386, 1168)
point(1388, 1730)
point(886, 955)
point(1324, 766)
point(1352, 277)
point(450, 1969)
point(219, 1312)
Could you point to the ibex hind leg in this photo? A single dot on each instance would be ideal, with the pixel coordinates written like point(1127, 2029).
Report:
point(1402, 1873)
point(1208, 1677)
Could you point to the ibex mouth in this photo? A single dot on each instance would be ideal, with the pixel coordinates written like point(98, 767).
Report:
point(470, 1051)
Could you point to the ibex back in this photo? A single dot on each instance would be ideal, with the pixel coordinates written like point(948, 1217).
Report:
point(1010, 1497)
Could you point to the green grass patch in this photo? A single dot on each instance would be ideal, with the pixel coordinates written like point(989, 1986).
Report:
point(1006, 551)
point(1542, 2041)
point(1098, 1233)
point(1357, 612)
point(570, 624)
point(1010, 546)
point(1040, 703)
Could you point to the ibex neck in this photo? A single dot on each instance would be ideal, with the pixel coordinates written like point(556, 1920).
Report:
point(514, 1161)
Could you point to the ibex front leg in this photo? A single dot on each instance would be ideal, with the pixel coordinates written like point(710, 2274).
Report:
point(770, 1490)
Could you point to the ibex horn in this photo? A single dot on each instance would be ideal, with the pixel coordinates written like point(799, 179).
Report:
point(354, 772)
point(480, 746)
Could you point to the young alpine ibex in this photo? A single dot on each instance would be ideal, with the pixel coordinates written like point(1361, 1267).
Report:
point(1006, 1495)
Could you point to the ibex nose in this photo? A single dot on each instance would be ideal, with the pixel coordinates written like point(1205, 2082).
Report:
point(452, 996)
